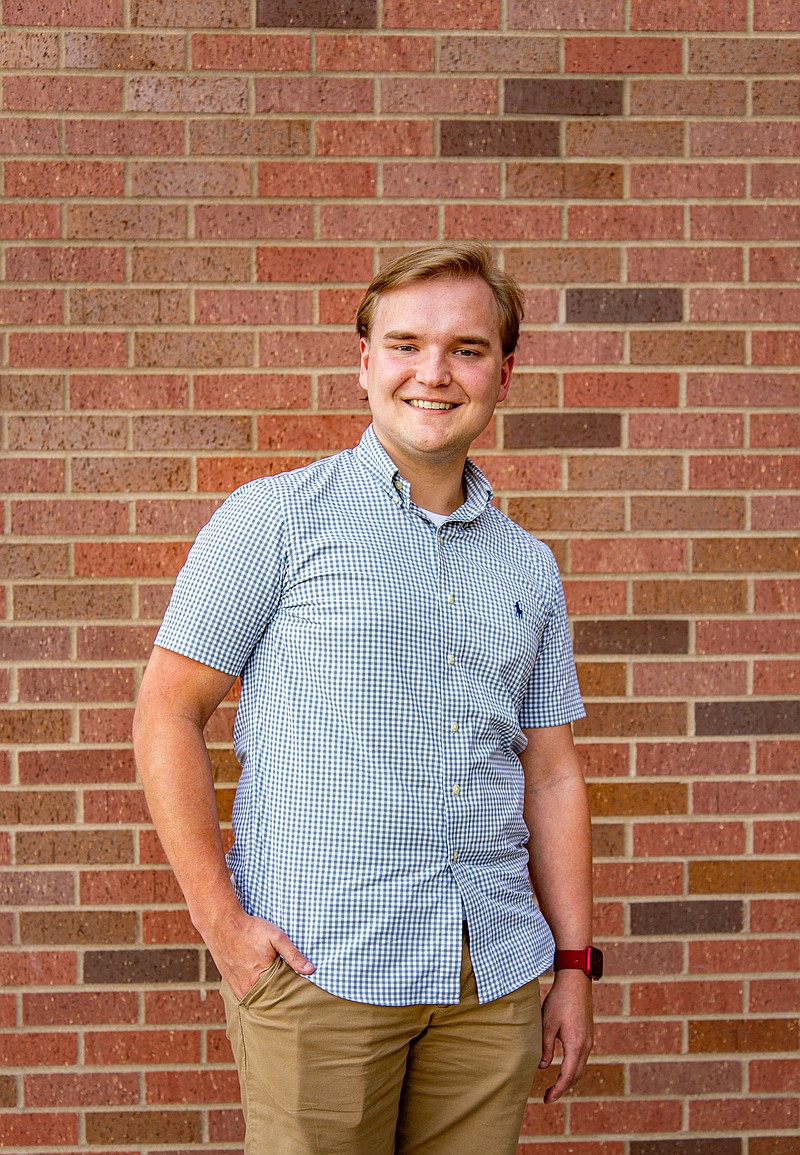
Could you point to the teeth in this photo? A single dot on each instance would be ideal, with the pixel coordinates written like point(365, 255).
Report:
point(432, 404)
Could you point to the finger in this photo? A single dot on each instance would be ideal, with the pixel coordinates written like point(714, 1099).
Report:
point(294, 958)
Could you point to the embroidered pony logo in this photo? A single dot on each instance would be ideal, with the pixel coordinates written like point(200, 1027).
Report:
point(518, 609)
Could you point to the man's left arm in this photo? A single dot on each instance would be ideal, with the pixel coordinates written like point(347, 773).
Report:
point(556, 813)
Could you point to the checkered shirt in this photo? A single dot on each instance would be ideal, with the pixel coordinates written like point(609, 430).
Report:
point(388, 668)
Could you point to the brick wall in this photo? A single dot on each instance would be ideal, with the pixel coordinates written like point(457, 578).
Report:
point(192, 196)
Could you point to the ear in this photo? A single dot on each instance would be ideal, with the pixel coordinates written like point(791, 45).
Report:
point(505, 376)
point(363, 346)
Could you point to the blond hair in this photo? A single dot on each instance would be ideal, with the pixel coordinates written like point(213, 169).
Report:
point(459, 260)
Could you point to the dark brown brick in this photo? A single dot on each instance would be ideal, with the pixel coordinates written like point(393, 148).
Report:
point(632, 637)
point(111, 1127)
point(740, 1036)
point(698, 917)
point(747, 717)
point(317, 14)
point(499, 138)
point(564, 181)
point(79, 927)
point(8, 1091)
point(629, 719)
point(564, 97)
point(686, 1147)
point(561, 430)
point(625, 306)
point(141, 966)
point(613, 799)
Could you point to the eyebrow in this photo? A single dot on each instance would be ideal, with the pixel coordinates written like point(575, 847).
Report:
point(394, 335)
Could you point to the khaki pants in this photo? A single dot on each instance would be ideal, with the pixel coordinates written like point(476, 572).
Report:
point(325, 1076)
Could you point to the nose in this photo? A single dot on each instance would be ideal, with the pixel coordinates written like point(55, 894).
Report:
point(432, 369)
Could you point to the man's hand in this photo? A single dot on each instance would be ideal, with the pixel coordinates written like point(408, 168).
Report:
point(567, 1016)
point(245, 947)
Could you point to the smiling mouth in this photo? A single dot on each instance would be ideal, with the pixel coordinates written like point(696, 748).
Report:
point(431, 404)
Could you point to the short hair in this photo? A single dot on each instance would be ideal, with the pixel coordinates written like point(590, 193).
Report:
point(459, 260)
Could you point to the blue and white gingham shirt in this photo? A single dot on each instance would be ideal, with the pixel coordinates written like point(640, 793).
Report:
point(387, 669)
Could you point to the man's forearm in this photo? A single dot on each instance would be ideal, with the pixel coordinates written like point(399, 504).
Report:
point(557, 815)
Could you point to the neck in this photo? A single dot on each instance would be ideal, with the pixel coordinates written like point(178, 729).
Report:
point(437, 486)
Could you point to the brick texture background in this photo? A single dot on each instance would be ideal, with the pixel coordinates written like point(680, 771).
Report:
point(192, 196)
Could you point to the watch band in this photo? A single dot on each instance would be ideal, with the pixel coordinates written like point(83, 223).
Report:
point(589, 960)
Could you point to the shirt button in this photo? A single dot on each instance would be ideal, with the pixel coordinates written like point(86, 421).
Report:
point(456, 788)
point(451, 598)
point(455, 856)
point(454, 727)
point(396, 500)
point(398, 483)
point(451, 659)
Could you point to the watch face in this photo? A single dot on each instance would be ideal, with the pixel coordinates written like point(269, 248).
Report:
point(595, 963)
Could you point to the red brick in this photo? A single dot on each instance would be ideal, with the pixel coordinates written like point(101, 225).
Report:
point(55, 93)
point(264, 52)
point(26, 50)
point(101, 725)
point(438, 94)
point(313, 94)
point(776, 677)
point(142, 1048)
point(638, 878)
point(519, 471)
point(745, 390)
point(692, 758)
point(627, 555)
point(775, 429)
point(384, 222)
point(28, 134)
point(556, 14)
point(338, 307)
point(65, 263)
point(189, 179)
point(774, 1075)
point(301, 350)
point(25, 968)
point(733, 956)
point(644, 1116)
point(79, 1008)
point(297, 264)
point(745, 305)
point(60, 12)
point(252, 391)
point(252, 307)
point(126, 887)
point(756, 637)
point(563, 348)
point(660, 264)
point(31, 391)
point(697, 679)
point(139, 559)
point(187, 94)
point(773, 264)
point(41, 1127)
point(124, 137)
point(316, 178)
point(717, 97)
point(773, 995)
point(502, 222)
point(144, 474)
point(610, 54)
point(693, 181)
point(208, 1086)
point(781, 15)
point(747, 471)
point(183, 1007)
point(745, 222)
point(63, 178)
point(54, 1090)
point(742, 1114)
point(686, 430)
point(131, 222)
point(37, 1049)
point(778, 348)
point(30, 307)
point(683, 1078)
point(745, 139)
point(687, 997)
point(128, 306)
point(775, 97)
point(776, 181)
point(175, 350)
point(223, 474)
point(373, 53)
point(620, 390)
point(168, 926)
point(173, 517)
point(776, 916)
point(593, 598)
point(777, 596)
point(319, 432)
point(27, 560)
point(69, 517)
point(686, 15)
point(625, 222)
point(180, 263)
point(746, 797)
point(235, 136)
point(115, 806)
point(29, 222)
point(412, 14)
point(374, 138)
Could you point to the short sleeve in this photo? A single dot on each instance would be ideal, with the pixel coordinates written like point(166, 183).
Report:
point(553, 697)
point(229, 587)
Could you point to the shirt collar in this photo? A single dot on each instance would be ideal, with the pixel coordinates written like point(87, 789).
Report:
point(370, 453)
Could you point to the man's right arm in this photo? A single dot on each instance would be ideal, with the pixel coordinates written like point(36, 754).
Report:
point(177, 697)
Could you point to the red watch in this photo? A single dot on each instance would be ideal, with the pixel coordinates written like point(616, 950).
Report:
point(589, 960)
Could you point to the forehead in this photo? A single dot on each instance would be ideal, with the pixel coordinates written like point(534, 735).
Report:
point(461, 305)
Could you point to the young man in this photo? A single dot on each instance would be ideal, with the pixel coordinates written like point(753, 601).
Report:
point(407, 761)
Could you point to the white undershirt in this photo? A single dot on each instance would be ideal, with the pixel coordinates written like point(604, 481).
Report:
point(437, 518)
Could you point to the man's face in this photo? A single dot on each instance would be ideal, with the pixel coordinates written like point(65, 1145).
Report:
point(433, 369)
